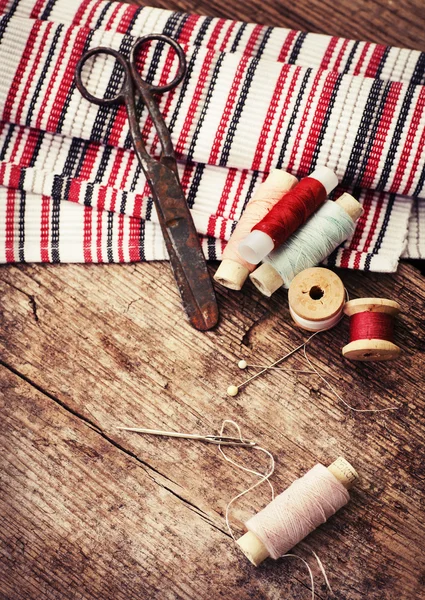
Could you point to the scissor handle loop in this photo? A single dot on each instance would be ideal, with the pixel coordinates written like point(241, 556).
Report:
point(159, 89)
point(126, 86)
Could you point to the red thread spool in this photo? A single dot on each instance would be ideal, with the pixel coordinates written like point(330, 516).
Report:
point(371, 329)
point(287, 215)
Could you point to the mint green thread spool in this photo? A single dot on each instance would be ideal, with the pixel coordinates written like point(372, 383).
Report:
point(329, 227)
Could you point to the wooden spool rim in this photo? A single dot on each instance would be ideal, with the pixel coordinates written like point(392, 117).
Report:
point(383, 305)
point(308, 308)
point(368, 350)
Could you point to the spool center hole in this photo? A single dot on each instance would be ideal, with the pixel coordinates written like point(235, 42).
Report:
point(316, 292)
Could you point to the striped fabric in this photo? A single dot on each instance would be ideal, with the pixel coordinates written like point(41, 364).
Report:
point(254, 98)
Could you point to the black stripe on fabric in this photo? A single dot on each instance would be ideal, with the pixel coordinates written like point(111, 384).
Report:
point(362, 132)
point(420, 184)
point(153, 66)
point(202, 31)
point(5, 20)
point(196, 180)
point(72, 157)
point(22, 204)
point(88, 196)
point(184, 88)
point(205, 107)
point(102, 15)
point(84, 149)
point(350, 58)
point(106, 154)
point(212, 254)
point(7, 140)
point(109, 239)
point(395, 141)
point(418, 77)
point(123, 204)
point(238, 37)
point(249, 193)
point(36, 151)
point(43, 74)
point(135, 181)
point(47, 10)
point(142, 240)
point(370, 134)
point(55, 218)
point(246, 87)
point(383, 61)
point(297, 48)
point(325, 123)
point(72, 88)
point(384, 226)
point(290, 127)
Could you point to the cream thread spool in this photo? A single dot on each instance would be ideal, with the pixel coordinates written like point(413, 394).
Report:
point(233, 269)
point(253, 547)
point(316, 299)
point(267, 278)
point(373, 349)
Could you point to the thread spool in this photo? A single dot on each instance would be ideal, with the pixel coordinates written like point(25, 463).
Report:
point(257, 550)
point(316, 299)
point(333, 223)
point(233, 269)
point(288, 215)
point(371, 329)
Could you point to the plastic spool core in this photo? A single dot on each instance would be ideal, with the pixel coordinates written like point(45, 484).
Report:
point(375, 349)
point(316, 298)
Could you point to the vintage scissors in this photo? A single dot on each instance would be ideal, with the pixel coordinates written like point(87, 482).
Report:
point(181, 239)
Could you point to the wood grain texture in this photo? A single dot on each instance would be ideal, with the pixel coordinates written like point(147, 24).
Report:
point(89, 512)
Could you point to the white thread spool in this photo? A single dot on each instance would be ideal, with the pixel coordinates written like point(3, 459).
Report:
point(316, 299)
point(255, 550)
point(267, 278)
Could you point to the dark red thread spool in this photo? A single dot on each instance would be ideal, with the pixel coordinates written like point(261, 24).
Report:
point(287, 215)
point(371, 329)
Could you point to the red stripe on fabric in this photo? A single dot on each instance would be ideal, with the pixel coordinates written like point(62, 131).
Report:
point(10, 225)
point(340, 56)
point(134, 239)
point(88, 233)
point(282, 115)
point(101, 198)
point(127, 18)
point(138, 201)
point(33, 72)
point(99, 231)
point(211, 225)
point(303, 121)
point(381, 134)
point(45, 228)
point(20, 71)
point(230, 178)
point(28, 150)
point(315, 131)
point(375, 61)
point(362, 57)
point(113, 200)
point(238, 194)
point(187, 175)
point(405, 154)
point(121, 237)
point(15, 176)
point(287, 45)
point(116, 166)
point(93, 12)
point(328, 53)
point(215, 34)
point(253, 38)
point(358, 232)
point(36, 11)
point(84, 4)
point(90, 157)
point(418, 155)
point(227, 36)
point(16, 145)
point(131, 157)
point(193, 106)
point(231, 99)
point(113, 16)
point(68, 77)
point(74, 190)
point(188, 28)
point(268, 121)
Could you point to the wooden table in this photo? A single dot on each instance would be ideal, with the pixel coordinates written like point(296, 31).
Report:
point(88, 512)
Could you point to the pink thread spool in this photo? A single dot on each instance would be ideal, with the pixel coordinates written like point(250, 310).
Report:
point(256, 550)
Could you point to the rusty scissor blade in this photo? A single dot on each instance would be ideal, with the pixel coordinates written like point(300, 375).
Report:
point(184, 249)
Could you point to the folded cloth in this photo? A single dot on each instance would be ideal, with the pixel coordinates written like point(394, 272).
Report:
point(241, 111)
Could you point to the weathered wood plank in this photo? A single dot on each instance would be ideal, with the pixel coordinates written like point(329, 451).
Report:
point(110, 345)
